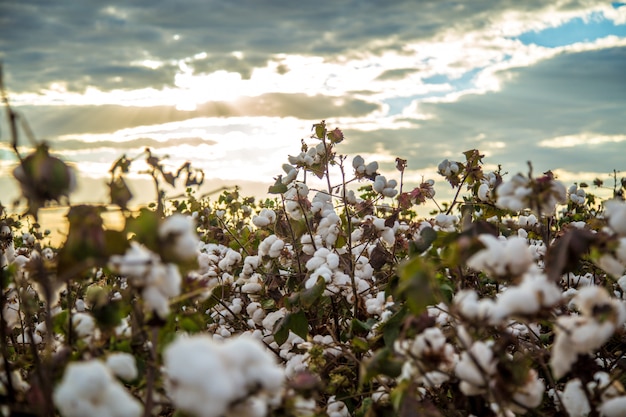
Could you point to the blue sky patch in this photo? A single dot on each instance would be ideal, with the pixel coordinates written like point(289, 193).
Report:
point(576, 30)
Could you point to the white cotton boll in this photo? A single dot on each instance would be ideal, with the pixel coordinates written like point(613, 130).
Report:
point(389, 192)
point(123, 365)
point(255, 363)
point(25, 338)
point(576, 335)
point(84, 325)
point(271, 318)
point(467, 303)
point(180, 231)
point(314, 263)
point(290, 177)
point(250, 407)
point(575, 400)
point(11, 313)
point(266, 245)
point(475, 378)
point(251, 288)
point(613, 407)
point(588, 298)
point(323, 272)
point(518, 256)
point(357, 162)
point(135, 262)
point(388, 236)
point(502, 256)
point(484, 192)
point(198, 379)
point(379, 183)
point(429, 342)
point(611, 265)
point(374, 306)
point(446, 221)
point(357, 235)
point(155, 301)
point(371, 168)
point(531, 394)
point(287, 168)
point(516, 300)
point(332, 260)
point(276, 248)
point(88, 389)
point(336, 408)
point(615, 211)
point(80, 305)
point(265, 217)
point(350, 196)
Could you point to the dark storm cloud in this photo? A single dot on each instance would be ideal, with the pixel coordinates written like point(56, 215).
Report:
point(92, 42)
point(52, 121)
point(569, 94)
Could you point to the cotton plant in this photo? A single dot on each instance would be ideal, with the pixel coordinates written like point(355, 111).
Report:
point(542, 194)
point(327, 299)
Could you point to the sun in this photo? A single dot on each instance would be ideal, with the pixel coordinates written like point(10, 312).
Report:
point(195, 89)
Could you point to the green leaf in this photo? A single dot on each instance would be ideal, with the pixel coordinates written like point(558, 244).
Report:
point(416, 284)
point(317, 169)
point(109, 315)
point(60, 322)
point(192, 323)
point(320, 129)
point(359, 327)
point(278, 187)
point(391, 328)
point(296, 322)
point(145, 227)
point(308, 298)
point(360, 344)
point(383, 363)
point(427, 236)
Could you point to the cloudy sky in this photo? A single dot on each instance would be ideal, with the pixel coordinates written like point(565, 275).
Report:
point(233, 86)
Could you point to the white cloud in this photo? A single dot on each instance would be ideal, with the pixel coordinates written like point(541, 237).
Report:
point(581, 139)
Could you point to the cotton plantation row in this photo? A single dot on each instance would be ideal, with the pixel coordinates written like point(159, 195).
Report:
point(331, 301)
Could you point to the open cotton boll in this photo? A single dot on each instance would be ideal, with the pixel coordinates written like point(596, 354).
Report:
point(502, 257)
point(358, 162)
point(271, 246)
point(530, 394)
point(179, 232)
point(379, 183)
point(89, 389)
point(575, 400)
point(475, 368)
point(615, 211)
point(210, 379)
point(123, 365)
point(266, 217)
point(336, 408)
point(197, 378)
point(535, 292)
point(613, 407)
